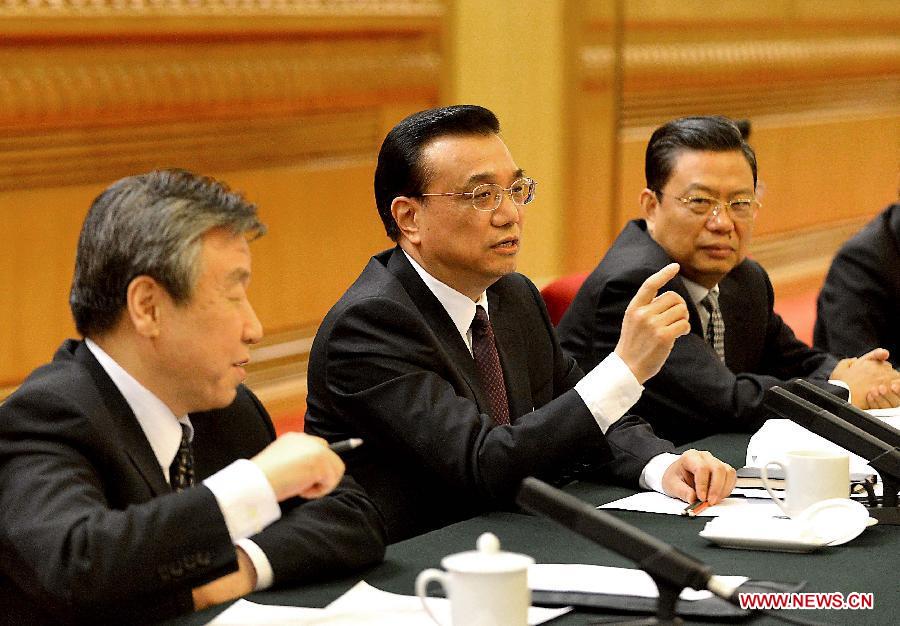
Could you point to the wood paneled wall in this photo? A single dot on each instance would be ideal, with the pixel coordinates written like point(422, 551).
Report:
point(288, 100)
point(820, 83)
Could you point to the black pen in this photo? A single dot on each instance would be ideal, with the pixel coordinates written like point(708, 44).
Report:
point(339, 447)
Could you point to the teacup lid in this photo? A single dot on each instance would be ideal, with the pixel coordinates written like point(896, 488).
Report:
point(487, 559)
point(838, 520)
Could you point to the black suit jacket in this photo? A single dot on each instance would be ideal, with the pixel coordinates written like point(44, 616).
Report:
point(388, 365)
point(91, 531)
point(859, 305)
point(694, 394)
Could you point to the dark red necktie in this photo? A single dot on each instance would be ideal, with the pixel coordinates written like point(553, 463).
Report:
point(487, 361)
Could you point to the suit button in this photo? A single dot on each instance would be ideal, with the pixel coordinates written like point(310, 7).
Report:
point(164, 573)
point(176, 570)
point(204, 558)
point(189, 562)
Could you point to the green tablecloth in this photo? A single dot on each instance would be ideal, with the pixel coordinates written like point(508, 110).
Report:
point(867, 564)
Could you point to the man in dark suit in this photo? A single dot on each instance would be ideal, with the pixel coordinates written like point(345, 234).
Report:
point(700, 205)
point(859, 305)
point(138, 478)
point(444, 360)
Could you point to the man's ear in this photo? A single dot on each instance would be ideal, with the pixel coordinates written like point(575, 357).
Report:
point(406, 213)
point(649, 204)
point(143, 299)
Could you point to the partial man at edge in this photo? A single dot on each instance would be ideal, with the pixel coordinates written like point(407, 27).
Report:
point(859, 304)
point(139, 479)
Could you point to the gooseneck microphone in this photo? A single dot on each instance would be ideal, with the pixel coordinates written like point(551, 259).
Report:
point(883, 455)
point(671, 569)
point(845, 411)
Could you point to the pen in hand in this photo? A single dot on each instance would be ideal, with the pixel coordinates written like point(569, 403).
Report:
point(693, 510)
point(339, 447)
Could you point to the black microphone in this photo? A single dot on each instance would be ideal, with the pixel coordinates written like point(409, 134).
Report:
point(845, 411)
point(881, 455)
point(665, 563)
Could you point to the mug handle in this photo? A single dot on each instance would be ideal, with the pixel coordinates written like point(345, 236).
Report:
point(764, 477)
point(422, 580)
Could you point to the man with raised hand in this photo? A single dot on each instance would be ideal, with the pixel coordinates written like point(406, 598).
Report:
point(700, 205)
point(444, 360)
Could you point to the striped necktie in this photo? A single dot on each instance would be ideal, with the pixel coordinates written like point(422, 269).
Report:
point(715, 328)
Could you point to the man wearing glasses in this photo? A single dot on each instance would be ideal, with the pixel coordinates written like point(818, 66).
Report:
point(700, 208)
point(444, 361)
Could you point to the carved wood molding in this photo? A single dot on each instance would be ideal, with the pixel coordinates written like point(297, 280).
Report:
point(803, 256)
point(68, 118)
point(101, 154)
point(750, 78)
point(209, 8)
point(62, 87)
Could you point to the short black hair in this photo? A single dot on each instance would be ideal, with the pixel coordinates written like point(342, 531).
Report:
point(714, 132)
point(399, 171)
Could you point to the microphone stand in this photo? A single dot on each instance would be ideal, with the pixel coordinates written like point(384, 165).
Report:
point(671, 569)
point(877, 443)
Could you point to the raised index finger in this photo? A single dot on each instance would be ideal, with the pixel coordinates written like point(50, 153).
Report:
point(652, 285)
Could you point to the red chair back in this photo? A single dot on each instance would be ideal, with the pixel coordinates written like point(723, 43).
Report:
point(558, 295)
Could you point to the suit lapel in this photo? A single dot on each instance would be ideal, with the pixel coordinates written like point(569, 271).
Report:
point(121, 425)
point(737, 313)
point(513, 357)
point(442, 327)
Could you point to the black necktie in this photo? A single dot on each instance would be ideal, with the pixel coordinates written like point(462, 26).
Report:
point(487, 361)
point(715, 328)
point(181, 472)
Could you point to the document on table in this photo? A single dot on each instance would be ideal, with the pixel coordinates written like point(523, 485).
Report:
point(361, 605)
point(779, 436)
point(619, 581)
point(654, 502)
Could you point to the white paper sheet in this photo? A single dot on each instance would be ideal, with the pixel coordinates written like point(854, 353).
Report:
point(601, 579)
point(654, 502)
point(246, 613)
point(362, 605)
point(891, 416)
point(779, 436)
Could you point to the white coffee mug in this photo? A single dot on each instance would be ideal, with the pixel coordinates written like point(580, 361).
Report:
point(810, 476)
point(486, 587)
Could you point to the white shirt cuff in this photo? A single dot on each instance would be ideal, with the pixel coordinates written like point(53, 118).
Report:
point(652, 474)
point(609, 390)
point(264, 574)
point(843, 385)
point(245, 498)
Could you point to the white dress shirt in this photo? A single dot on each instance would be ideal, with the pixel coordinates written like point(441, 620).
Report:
point(608, 390)
point(697, 293)
point(242, 491)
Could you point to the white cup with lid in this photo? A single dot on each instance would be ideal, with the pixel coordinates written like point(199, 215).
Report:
point(486, 587)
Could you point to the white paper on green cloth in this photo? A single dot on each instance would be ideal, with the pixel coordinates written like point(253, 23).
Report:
point(619, 581)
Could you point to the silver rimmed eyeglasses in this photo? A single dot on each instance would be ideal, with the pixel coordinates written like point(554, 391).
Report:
point(702, 206)
point(488, 196)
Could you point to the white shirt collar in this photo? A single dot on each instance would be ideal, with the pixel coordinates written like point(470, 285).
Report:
point(698, 291)
point(459, 307)
point(161, 426)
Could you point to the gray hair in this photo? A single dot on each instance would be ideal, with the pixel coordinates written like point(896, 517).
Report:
point(152, 225)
